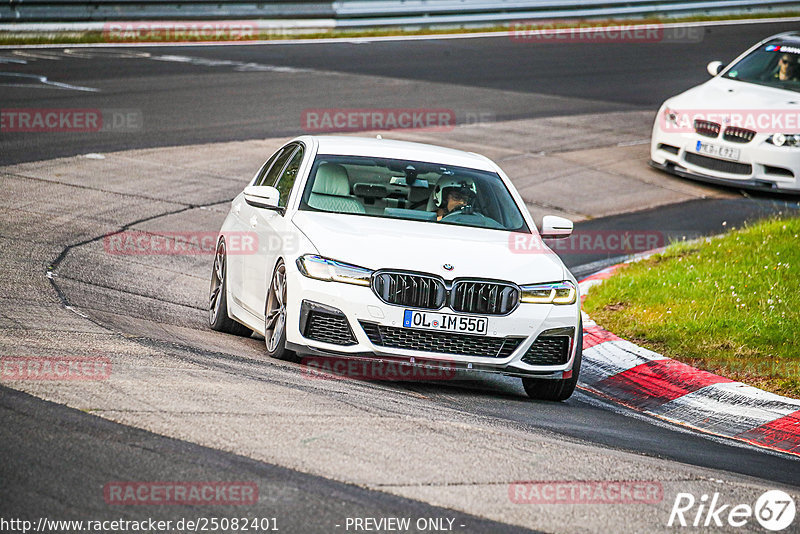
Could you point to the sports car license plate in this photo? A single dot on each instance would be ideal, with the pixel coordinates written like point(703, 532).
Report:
point(718, 151)
point(445, 322)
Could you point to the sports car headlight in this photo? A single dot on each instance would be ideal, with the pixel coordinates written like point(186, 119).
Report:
point(320, 268)
point(784, 139)
point(554, 293)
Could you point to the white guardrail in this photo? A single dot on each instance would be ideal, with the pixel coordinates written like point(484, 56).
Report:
point(361, 13)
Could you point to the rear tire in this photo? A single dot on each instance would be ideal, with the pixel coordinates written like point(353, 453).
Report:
point(218, 298)
point(557, 390)
point(275, 316)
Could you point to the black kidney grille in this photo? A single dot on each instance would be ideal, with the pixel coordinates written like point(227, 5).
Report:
point(707, 128)
point(548, 350)
point(405, 289)
point(490, 298)
point(440, 342)
point(738, 135)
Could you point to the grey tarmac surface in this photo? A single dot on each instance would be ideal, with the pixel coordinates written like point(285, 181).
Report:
point(457, 445)
point(204, 94)
point(69, 486)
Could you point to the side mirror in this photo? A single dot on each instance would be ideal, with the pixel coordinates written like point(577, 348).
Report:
point(262, 196)
point(715, 67)
point(555, 227)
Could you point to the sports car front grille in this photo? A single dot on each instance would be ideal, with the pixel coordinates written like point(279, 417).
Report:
point(409, 289)
point(548, 350)
point(440, 342)
point(328, 328)
point(425, 291)
point(489, 298)
point(707, 128)
point(720, 165)
point(735, 134)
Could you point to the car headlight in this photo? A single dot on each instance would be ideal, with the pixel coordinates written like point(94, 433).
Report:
point(321, 268)
point(784, 139)
point(553, 293)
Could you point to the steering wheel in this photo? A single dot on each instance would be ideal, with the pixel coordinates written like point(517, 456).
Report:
point(472, 218)
point(464, 209)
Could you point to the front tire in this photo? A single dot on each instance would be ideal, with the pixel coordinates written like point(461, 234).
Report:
point(557, 390)
point(218, 298)
point(275, 316)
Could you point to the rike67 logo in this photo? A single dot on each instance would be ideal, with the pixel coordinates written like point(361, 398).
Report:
point(774, 510)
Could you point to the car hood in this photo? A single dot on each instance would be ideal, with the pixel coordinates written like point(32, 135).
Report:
point(378, 243)
point(724, 94)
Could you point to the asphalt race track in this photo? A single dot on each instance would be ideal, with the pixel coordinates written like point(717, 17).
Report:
point(186, 99)
point(186, 403)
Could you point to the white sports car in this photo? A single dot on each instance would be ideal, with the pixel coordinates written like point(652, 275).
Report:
point(742, 127)
point(380, 250)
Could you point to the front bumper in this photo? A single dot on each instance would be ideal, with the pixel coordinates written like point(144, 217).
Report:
point(761, 165)
point(749, 184)
point(360, 310)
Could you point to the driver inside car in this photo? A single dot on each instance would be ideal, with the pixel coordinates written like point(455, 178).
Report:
point(787, 69)
point(453, 194)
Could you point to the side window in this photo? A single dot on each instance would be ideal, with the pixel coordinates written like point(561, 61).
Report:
point(268, 165)
point(286, 180)
point(272, 175)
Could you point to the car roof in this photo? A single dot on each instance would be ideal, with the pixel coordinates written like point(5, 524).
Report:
point(388, 148)
point(787, 35)
point(792, 37)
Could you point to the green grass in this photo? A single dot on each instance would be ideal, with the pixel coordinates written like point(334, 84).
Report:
point(729, 305)
point(71, 37)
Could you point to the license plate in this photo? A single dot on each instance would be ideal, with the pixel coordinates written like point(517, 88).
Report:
point(718, 151)
point(445, 322)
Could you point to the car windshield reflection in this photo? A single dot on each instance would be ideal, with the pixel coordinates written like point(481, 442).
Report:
point(411, 190)
point(774, 65)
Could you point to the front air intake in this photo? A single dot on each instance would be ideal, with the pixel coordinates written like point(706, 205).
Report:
point(440, 342)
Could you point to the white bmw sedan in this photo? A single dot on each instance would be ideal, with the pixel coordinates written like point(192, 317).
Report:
point(742, 127)
point(380, 250)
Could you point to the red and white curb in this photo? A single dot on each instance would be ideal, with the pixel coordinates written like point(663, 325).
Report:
point(673, 391)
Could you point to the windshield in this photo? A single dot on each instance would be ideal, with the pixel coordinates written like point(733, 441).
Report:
point(411, 190)
point(774, 65)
